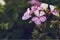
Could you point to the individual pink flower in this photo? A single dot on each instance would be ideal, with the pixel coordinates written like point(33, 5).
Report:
point(38, 20)
point(39, 17)
point(53, 10)
point(34, 2)
point(26, 15)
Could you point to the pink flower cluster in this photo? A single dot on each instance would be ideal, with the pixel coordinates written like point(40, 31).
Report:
point(38, 9)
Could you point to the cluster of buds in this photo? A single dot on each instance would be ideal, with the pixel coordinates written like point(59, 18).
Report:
point(39, 10)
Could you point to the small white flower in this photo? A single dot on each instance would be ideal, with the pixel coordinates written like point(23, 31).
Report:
point(44, 5)
point(2, 2)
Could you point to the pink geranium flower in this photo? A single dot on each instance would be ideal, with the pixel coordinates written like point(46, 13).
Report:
point(39, 17)
point(38, 20)
point(53, 10)
point(38, 9)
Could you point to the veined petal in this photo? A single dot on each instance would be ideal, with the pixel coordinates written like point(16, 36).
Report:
point(54, 12)
point(43, 19)
point(44, 5)
point(42, 13)
point(36, 20)
point(26, 16)
point(36, 12)
point(51, 7)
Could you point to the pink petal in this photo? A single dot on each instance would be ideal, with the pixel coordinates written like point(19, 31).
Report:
point(36, 12)
point(42, 13)
point(54, 12)
point(36, 20)
point(40, 8)
point(31, 12)
point(33, 8)
point(43, 19)
point(26, 16)
point(34, 2)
